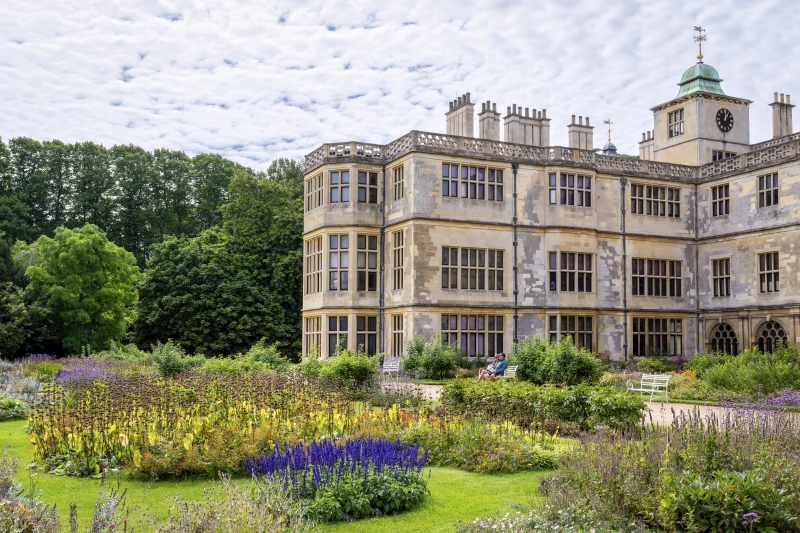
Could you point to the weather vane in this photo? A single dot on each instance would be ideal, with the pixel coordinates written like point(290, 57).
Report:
point(609, 128)
point(699, 38)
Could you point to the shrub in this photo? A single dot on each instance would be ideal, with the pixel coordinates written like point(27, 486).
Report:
point(653, 366)
point(12, 409)
point(170, 359)
point(269, 356)
point(753, 372)
point(702, 362)
point(122, 352)
point(685, 386)
point(560, 363)
point(432, 360)
point(349, 369)
point(528, 405)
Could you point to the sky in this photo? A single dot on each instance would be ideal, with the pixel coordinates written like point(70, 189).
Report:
point(256, 80)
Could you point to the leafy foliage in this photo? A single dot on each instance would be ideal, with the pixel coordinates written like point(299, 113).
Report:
point(550, 407)
point(224, 290)
point(89, 284)
point(753, 372)
point(432, 360)
point(559, 363)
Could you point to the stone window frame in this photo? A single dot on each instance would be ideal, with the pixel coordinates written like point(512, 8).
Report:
point(398, 183)
point(313, 248)
point(483, 270)
point(339, 186)
point(398, 259)
point(368, 187)
point(768, 190)
point(560, 274)
point(720, 198)
point(315, 190)
point(338, 327)
point(768, 269)
point(570, 188)
point(656, 336)
point(476, 335)
point(573, 325)
point(719, 155)
point(675, 123)
point(721, 277)
point(367, 275)
point(667, 201)
point(473, 182)
point(397, 335)
point(312, 334)
point(338, 269)
point(367, 334)
point(646, 276)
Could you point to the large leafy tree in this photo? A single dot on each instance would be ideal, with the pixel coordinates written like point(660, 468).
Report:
point(211, 175)
point(289, 173)
point(132, 226)
point(224, 290)
point(29, 180)
point(91, 185)
point(89, 283)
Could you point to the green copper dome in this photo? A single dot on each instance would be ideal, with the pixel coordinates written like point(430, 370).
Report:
point(700, 78)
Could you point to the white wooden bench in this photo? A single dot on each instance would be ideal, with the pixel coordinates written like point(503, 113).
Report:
point(510, 372)
point(651, 383)
point(391, 367)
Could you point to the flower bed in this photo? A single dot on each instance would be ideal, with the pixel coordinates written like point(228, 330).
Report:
point(346, 480)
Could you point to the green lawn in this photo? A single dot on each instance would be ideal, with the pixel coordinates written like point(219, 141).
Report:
point(455, 495)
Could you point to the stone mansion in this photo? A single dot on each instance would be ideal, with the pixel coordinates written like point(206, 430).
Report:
point(692, 246)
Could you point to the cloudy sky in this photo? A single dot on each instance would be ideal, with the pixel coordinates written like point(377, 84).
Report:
point(256, 80)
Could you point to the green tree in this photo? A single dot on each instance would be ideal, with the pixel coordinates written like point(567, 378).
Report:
point(226, 289)
point(172, 194)
point(91, 185)
point(134, 176)
point(212, 174)
point(57, 168)
point(198, 292)
point(29, 181)
point(289, 173)
point(89, 283)
point(15, 323)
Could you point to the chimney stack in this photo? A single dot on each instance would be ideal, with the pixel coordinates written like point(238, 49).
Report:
point(461, 117)
point(530, 128)
point(489, 122)
point(781, 115)
point(646, 146)
point(580, 135)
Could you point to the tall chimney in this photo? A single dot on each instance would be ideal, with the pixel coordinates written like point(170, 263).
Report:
point(461, 117)
point(580, 135)
point(781, 115)
point(489, 122)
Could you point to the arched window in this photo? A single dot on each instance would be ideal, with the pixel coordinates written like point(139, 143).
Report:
point(771, 333)
point(723, 339)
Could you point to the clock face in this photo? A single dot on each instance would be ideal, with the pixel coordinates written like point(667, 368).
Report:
point(724, 120)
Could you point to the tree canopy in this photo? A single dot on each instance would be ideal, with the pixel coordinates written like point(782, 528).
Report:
point(89, 284)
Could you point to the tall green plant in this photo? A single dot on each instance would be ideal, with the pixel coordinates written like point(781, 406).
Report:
point(434, 359)
point(559, 363)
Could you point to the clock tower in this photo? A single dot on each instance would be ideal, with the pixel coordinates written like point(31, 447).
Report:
point(701, 124)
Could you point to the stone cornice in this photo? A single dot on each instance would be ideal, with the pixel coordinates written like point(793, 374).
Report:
point(708, 96)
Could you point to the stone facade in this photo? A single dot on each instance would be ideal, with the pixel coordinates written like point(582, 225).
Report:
point(455, 235)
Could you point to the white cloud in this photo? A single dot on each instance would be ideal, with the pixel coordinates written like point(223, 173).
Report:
point(254, 81)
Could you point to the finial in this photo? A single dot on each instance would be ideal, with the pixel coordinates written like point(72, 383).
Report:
point(609, 128)
point(699, 38)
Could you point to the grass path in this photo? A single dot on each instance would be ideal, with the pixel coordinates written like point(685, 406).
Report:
point(455, 495)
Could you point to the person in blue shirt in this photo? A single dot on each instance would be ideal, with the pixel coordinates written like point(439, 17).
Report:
point(499, 368)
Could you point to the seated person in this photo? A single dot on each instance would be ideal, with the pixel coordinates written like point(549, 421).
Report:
point(489, 367)
point(499, 368)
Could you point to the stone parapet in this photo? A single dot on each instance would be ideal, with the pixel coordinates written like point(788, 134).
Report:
point(763, 155)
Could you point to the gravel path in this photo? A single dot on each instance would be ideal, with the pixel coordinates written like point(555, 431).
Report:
point(663, 414)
